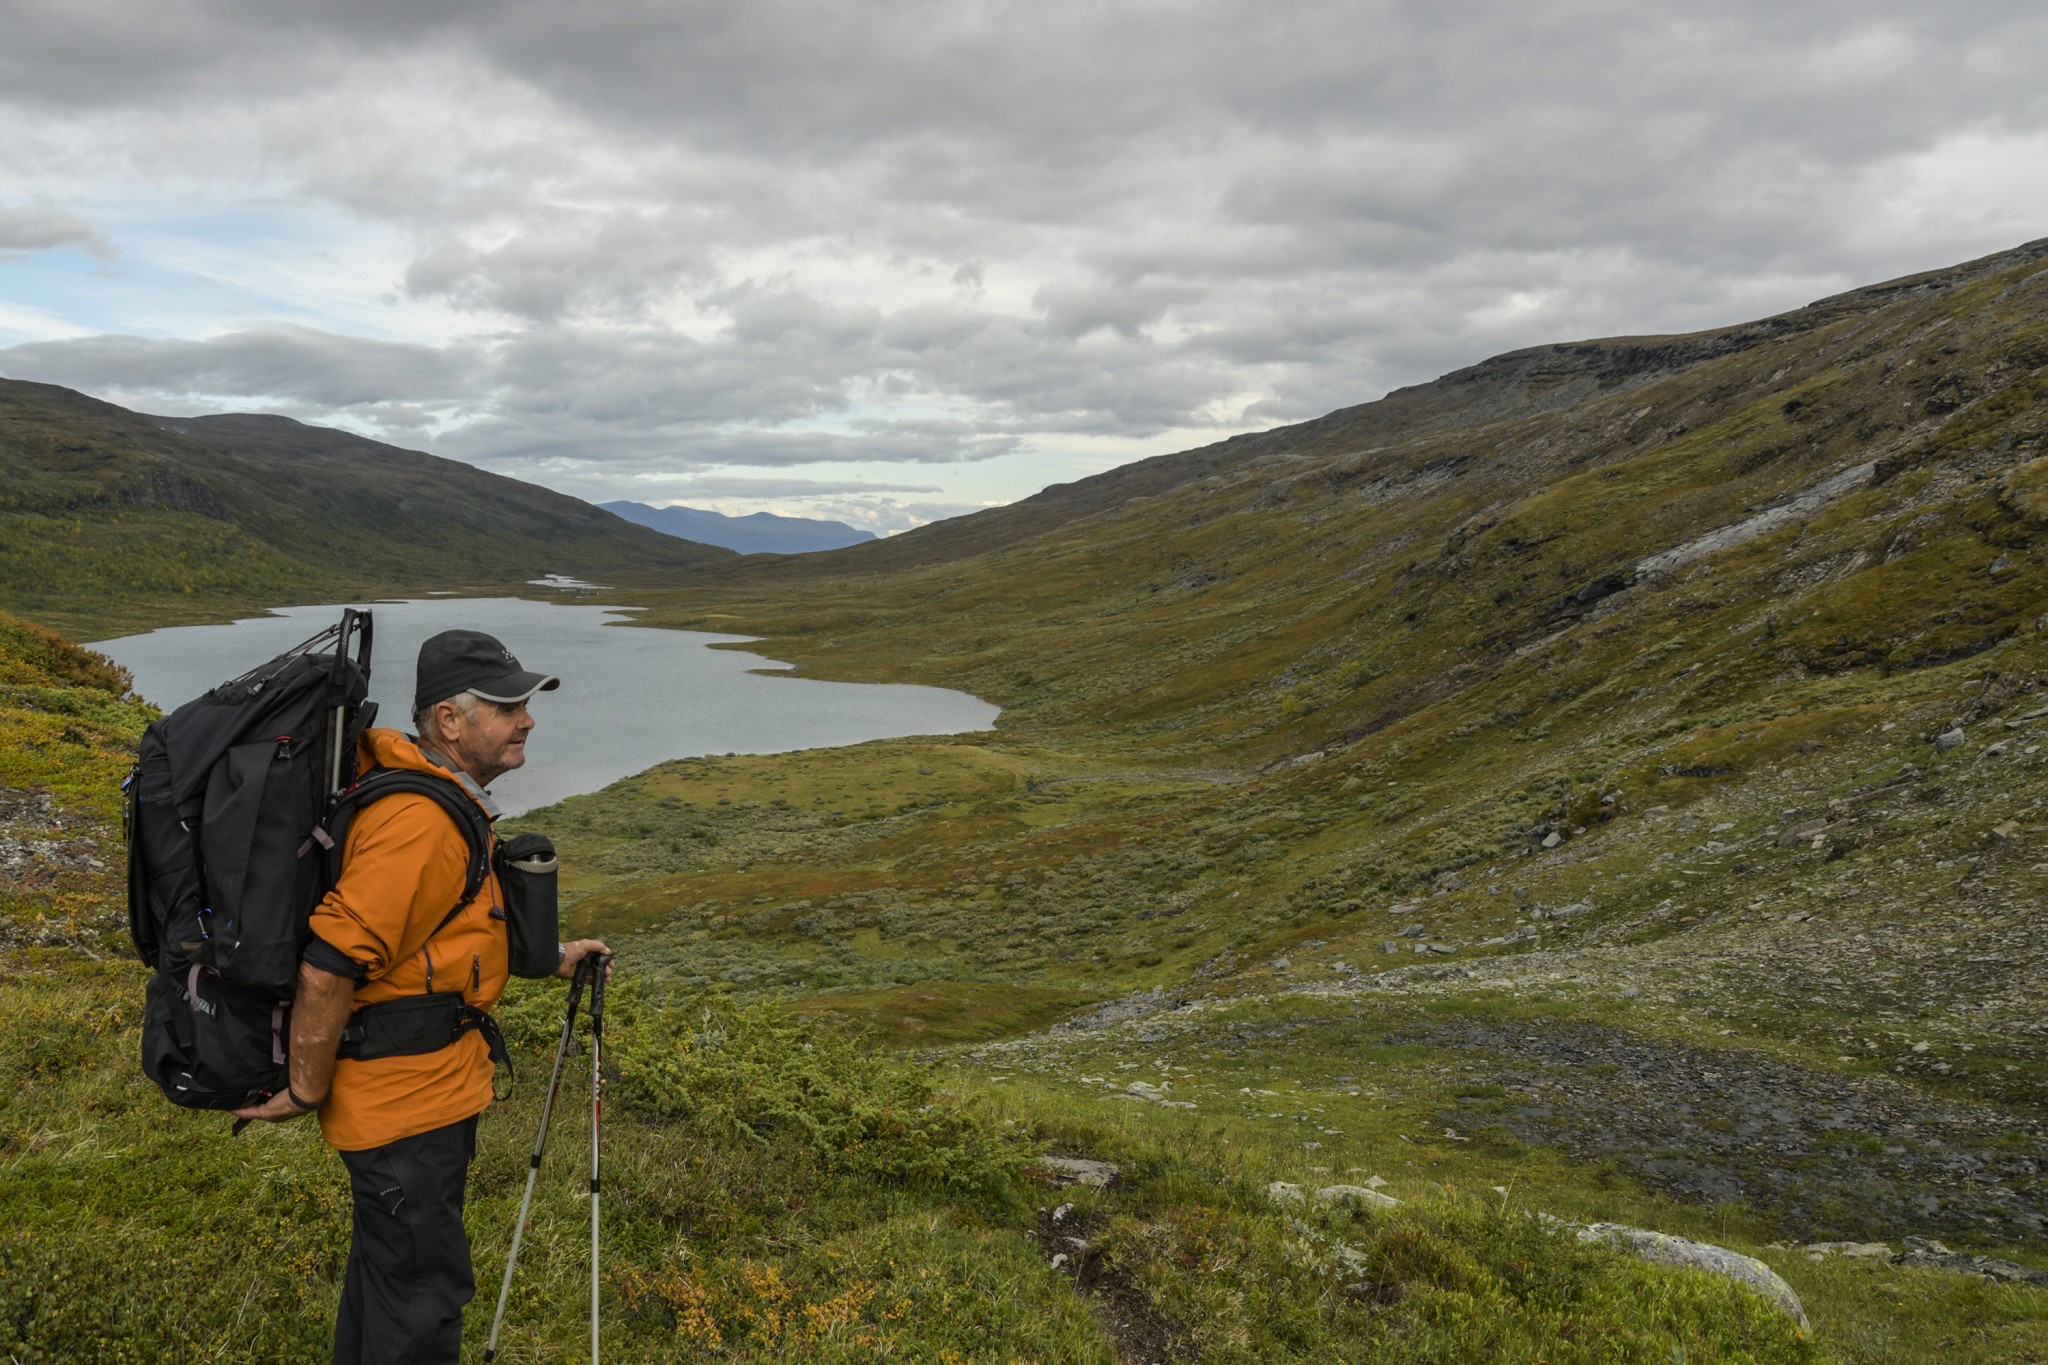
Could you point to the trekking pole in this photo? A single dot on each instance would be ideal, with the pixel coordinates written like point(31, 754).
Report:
point(547, 1110)
point(597, 978)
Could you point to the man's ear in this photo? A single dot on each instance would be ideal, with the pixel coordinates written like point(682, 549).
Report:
point(443, 716)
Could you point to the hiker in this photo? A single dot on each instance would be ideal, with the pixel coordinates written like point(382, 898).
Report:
point(405, 1125)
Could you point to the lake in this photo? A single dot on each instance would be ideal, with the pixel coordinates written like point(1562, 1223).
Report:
point(630, 697)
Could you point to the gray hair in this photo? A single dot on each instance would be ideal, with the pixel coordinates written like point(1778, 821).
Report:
point(465, 702)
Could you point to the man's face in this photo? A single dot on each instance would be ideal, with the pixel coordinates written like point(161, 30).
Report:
point(491, 745)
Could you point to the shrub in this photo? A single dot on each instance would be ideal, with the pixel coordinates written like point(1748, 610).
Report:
point(755, 1073)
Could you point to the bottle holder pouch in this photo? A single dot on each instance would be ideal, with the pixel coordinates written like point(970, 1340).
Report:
point(526, 873)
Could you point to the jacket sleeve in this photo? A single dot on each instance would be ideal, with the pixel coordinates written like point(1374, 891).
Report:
point(402, 869)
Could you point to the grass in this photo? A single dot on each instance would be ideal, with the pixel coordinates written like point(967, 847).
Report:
point(774, 1187)
point(771, 1189)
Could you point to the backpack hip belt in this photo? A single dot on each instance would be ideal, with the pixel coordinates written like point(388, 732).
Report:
point(415, 1024)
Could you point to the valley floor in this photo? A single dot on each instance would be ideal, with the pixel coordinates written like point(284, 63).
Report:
point(1801, 1009)
point(1775, 980)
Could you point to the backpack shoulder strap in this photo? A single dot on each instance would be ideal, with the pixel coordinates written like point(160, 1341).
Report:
point(469, 818)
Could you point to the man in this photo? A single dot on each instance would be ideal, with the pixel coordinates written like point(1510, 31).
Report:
point(406, 1125)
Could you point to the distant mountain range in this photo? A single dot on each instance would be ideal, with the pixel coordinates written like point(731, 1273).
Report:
point(760, 533)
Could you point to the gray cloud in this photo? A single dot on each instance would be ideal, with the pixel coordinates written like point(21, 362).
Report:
point(793, 234)
point(38, 227)
point(280, 361)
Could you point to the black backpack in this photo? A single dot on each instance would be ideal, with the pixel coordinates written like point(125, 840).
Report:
point(236, 810)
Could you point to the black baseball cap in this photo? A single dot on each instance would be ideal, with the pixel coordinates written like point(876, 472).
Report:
point(457, 661)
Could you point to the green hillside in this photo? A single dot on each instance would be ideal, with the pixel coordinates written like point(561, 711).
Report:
point(1562, 775)
point(113, 520)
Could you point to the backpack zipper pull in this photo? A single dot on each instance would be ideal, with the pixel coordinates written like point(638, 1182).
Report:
point(476, 972)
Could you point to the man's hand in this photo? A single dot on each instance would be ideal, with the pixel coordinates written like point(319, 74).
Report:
point(277, 1109)
point(319, 1014)
point(574, 953)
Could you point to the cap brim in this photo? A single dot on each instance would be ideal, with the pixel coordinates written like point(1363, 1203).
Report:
point(517, 687)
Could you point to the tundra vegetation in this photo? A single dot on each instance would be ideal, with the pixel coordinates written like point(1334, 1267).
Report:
point(1604, 785)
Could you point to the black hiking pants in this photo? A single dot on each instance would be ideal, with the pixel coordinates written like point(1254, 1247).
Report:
point(408, 1260)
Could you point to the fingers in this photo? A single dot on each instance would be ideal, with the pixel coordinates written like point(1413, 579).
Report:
point(574, 952)
point(276, 1109)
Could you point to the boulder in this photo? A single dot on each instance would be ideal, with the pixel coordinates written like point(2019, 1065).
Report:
point(1667, 1250)
point(1356, 1194)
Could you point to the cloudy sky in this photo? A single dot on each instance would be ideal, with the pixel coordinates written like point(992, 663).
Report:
point(897, 260)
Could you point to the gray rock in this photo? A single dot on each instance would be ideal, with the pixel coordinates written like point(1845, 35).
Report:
point(1152, 1094)
point(1924, 1253)
point(1858, 1250)
point(1357, 1194)
point(1797, 507)
point(1804, 832)
point(1074, 1170)
point(1997, 750)
point(1948, 739)
point(1552, 839)
point(1138, 1005)
point(1281, 1192)
point(1350, 1257)
point(1666, 1250)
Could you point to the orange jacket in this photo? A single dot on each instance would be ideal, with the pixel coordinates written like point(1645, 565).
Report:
point(402, 869)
